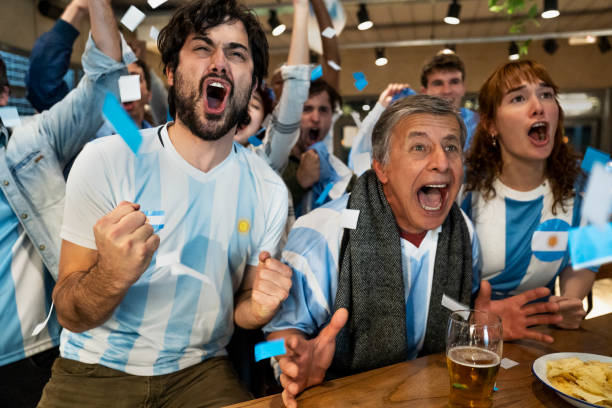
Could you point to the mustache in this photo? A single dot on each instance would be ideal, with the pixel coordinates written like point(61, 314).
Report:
point(222, 76)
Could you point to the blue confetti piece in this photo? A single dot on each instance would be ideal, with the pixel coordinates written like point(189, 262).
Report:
point(495, 388)
point(254, 140)
point(316, 73)
point(269, 349)
point(590, 246)
point(122, 122)
point(403, 93)
point(324, 193)
point(593, 156)
point(360, 84)
point(358, 75)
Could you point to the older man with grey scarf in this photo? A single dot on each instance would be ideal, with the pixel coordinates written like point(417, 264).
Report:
point(374, 272)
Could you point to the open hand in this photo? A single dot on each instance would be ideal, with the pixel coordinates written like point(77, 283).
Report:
point(307, 361)
point(517, 315)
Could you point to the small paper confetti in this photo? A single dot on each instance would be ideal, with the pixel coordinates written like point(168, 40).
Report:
point(269, 349)
point(316, 73)
point(154, 33)
point(132, 18)
point(592, 156)
point(333, 64)
point(122, 122)
point(328, 32)
point(506, 363)
point(360, 84)
point(155, 3)
point(129, 88)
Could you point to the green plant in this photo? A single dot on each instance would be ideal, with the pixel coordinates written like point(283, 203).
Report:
point(519, 12)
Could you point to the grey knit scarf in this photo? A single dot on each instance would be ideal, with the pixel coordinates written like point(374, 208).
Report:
point(371, 286)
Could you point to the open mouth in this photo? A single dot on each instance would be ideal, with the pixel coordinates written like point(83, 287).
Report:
point(538, 133)
point(313, 134)
point(216, 92)
point(433, 196)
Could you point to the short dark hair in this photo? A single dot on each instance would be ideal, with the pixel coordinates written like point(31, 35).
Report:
point(319, 86)
point(3, 76)
point(200, 15)
point(442, 62)
point(145, 70)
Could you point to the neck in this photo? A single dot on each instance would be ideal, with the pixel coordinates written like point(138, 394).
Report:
point(201, 154)
point(522, 175)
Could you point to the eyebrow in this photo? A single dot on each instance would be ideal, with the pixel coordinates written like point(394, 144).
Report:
point(417, 133)
point(207, 40)
point(518, 88)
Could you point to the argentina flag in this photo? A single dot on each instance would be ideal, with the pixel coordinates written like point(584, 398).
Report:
point(549, 240)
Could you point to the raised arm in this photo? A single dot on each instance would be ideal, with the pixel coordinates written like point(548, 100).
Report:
point(50, 58)
point(104, 28)
point(331, 51)
point(285, 125)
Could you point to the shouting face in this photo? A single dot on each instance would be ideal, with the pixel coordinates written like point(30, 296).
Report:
point(424, 171)
point(213, 80)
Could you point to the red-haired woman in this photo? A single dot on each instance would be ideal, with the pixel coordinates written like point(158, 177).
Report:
point(521, 192)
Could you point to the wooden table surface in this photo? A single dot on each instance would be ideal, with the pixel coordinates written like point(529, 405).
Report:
point(424, 382)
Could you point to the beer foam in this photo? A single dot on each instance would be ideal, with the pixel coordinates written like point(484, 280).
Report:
point(471, 356)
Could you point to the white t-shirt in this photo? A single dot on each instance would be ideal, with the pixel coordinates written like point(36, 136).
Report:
point(180, 311)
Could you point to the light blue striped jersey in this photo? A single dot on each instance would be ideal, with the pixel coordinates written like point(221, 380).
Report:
point(26, 288)
point(313, 252)
point(524, 245)
point(180, 311)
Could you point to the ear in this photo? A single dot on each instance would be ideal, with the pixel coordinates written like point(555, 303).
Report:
point(491, 128)
point(381, 171)
point(4, 95)
point(170, 75)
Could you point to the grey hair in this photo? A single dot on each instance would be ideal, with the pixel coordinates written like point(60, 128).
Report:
point(403, 108)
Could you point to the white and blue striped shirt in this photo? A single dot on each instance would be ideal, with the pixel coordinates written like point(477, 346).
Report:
point(312, 252)
point(180, 311)
point(524, 245)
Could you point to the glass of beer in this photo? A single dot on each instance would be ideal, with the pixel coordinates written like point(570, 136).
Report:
point(473, 354)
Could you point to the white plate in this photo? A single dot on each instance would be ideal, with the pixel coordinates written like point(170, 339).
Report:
point(539, 370)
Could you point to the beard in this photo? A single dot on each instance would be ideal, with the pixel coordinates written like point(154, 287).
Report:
point(211, 127)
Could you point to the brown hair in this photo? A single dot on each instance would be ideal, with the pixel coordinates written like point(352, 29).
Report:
point(442, 62)
point(484, 161)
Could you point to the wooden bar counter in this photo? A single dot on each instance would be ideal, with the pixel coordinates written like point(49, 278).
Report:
point(424, 382)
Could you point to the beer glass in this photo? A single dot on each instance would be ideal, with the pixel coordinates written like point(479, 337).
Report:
point(473, 354)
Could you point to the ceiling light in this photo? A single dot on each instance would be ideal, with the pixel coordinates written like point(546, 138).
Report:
point(448, 49)
point(380, 57)
point(550, 46)
point(366, 107)
point(603, 44)
point(364, 18)
point(277, 27)
point(513, 52)
point(551, 10)
point(581, 40)
point(452, 16)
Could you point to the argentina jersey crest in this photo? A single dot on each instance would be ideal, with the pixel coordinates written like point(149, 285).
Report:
point(549, 240)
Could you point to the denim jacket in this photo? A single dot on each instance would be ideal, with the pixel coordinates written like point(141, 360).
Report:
point(32, 160)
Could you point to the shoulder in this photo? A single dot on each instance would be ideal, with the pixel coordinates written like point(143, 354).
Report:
point(258, 166)
point(320, 227)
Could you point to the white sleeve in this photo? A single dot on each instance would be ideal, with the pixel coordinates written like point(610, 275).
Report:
point(88, 196)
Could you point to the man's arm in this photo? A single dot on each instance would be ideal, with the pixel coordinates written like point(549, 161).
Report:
point(306, 361)
point(263, 290)
point(72, 122)
point(285, 125)
point(50, 58)
point(331, 51)
point(574, 285)
point(92, 283)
